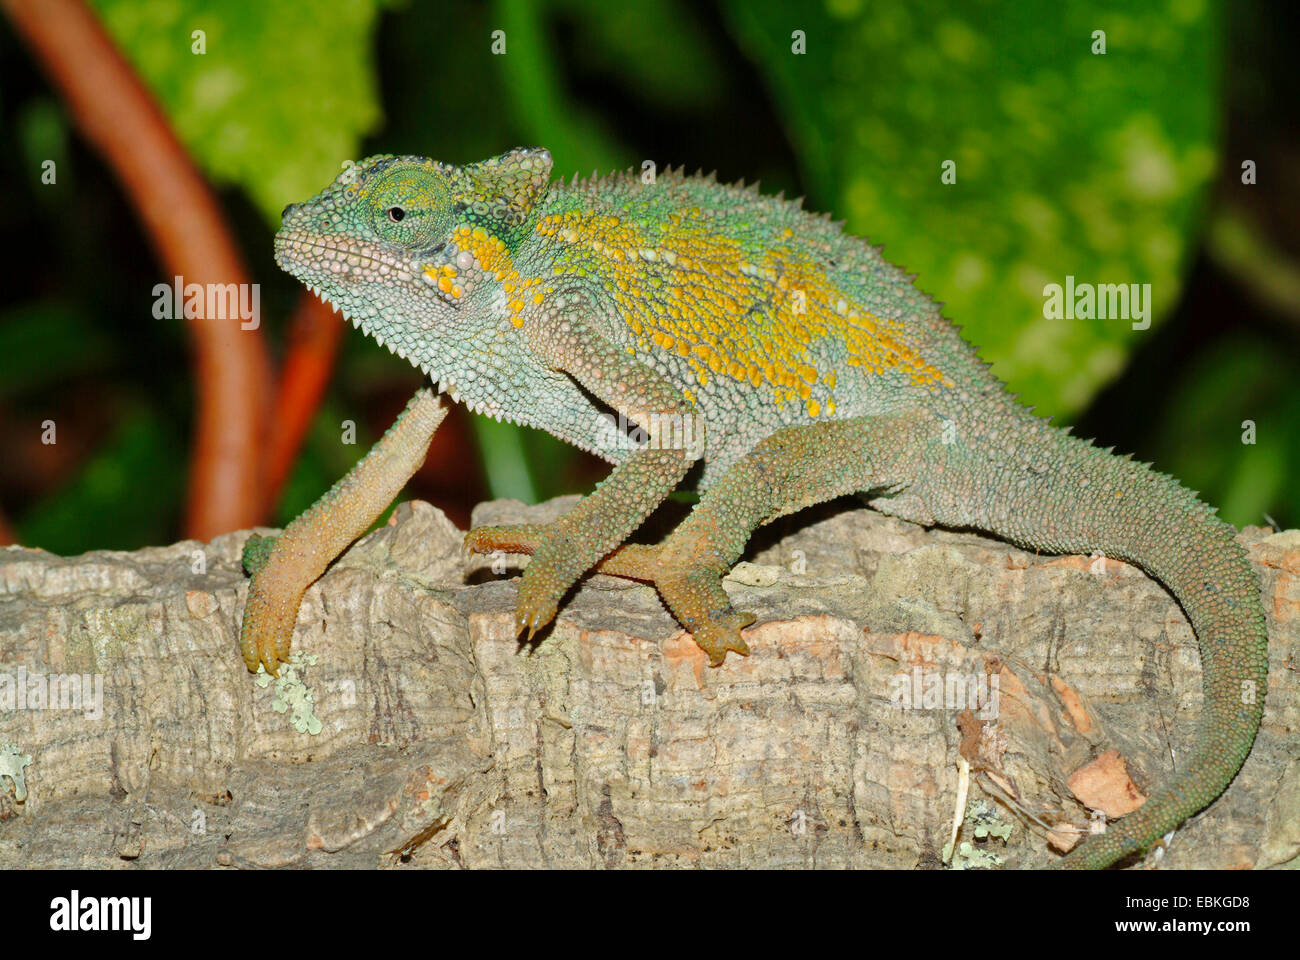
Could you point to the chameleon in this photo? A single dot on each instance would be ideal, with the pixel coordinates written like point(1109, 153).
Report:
point(675, 325)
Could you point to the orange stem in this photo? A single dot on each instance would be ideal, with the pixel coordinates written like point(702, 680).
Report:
point(181, 216)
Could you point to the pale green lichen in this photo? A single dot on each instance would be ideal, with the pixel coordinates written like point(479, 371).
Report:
point(983, 824)
point(292, 693)
point(12, 761)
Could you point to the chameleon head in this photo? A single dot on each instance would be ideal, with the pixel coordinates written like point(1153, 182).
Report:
point(411, 249)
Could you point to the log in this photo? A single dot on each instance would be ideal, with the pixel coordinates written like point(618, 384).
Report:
point(893, 669)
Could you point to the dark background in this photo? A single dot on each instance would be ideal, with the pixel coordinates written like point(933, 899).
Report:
point(1122, 167)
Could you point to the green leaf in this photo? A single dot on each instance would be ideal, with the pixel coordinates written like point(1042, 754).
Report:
point(1068, 163)
point(1228, 429)
point(504, 461)
point(576, 137)
point(279, 99)
point(654, 46)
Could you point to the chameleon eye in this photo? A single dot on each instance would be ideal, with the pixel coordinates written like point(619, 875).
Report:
point(409, 205)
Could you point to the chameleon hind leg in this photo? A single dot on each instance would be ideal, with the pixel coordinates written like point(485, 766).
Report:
point(793, 468)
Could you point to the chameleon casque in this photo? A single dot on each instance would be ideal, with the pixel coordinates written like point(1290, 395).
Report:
point(801, 364)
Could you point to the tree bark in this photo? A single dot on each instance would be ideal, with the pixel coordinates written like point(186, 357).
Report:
point(418, 732)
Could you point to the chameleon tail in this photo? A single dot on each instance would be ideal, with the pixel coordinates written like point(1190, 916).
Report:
point(1060, 494)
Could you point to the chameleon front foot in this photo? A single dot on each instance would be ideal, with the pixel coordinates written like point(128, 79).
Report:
point(547, 577)
point(283, 567)
point(266, 635)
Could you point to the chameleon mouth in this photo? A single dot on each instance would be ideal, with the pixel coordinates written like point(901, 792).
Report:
point(325, 263)
point(301, 254)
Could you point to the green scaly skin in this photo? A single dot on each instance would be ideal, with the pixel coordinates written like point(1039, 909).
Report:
point(791, 358)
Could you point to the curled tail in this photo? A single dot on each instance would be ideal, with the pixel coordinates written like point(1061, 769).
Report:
point(1050, 491)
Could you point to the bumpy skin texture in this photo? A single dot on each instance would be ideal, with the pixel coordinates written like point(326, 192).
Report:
point(791, 358)
point(284, 567)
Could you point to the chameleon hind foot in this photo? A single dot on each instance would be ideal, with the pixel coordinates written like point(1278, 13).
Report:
point(509, 538)
point(693, 591)
point(715, 631)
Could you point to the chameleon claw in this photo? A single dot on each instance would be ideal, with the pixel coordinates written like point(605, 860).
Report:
point(525, 629)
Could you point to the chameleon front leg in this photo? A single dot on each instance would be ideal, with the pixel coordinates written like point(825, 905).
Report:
point(284, 567)
point(565, 550)
point(793, 468)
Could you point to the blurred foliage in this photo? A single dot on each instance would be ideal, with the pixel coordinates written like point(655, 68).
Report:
point(279, 95)
point(1233, 382)
point(1067, 163)
point(115, 496)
